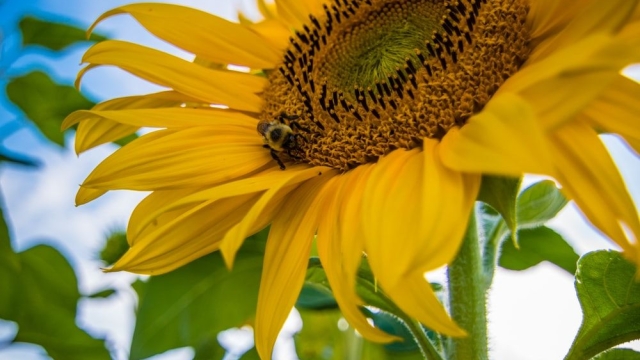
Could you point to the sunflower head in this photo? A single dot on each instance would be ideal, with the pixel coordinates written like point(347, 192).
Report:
point(392, 111)
point(369, 77)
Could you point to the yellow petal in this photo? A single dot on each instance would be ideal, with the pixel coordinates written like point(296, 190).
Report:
point(93, 131)
point(202, 34)
point(590, 177)
point(234, 89)
point(265, 209)
point(179, 200)
point(285, 261)
point(413, 294)
point(175, 117)
point(598, 17)
point(617, 110)
point(547, 17)
point(296, 13)
point(503, 139)
point(390, 213)
point(414, 213)
point(591, 65)
point(86, 195)
point(351, 225)
point(274, 32)
point(329, 250)
point(145, 217)
point(191, 157)
point(193, 234)
point(601, 52)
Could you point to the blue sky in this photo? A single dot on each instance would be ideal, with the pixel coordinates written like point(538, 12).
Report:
point(536, 304)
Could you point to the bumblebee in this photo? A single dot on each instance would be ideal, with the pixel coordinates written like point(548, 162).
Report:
point(279, 136)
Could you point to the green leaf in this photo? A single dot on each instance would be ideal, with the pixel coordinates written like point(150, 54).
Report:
point(54, 36)
point(502, 194)
point(42, 298)
point(539, 203)
point(618, 354)
point(45, 102)
point(537, 245)
point(103, 294)
point(610, 299)
point(191, 305)
point(535, 205)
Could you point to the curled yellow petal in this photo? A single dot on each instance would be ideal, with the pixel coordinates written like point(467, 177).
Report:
point(167, 159)
point(503, 139)
point(330, 252)
point(262, 212)
point(202, 34)
point(234, 89)
point(590, 177)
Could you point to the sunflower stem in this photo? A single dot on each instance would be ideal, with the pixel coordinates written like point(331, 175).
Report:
point(427, 348)
point(467, 298)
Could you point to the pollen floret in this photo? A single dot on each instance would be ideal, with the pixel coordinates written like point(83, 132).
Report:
point(369, 77)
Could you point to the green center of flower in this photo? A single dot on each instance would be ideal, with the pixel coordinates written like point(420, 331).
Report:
point(368, 77)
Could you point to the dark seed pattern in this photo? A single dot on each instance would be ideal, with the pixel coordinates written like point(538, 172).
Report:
point(441, 81)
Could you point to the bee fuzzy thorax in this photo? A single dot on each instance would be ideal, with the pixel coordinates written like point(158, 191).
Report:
point(279, 137)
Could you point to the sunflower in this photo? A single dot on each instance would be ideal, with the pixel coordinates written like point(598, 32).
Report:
point(376, 120)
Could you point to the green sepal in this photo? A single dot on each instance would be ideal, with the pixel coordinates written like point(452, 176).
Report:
point(501, 193)
point(54, 36)
point(609, 295)
point(46, 103)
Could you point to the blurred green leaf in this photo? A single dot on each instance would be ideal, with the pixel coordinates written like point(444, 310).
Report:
point(610, 299)
point(45, 102)
point(502, 194)
point(618, 354)
point(42, 298)
point(191, 305)
point(320, 337)
point(103, 294)
point(539, 203)
point(9, 264)
point(54, 36)
point(537, 245)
